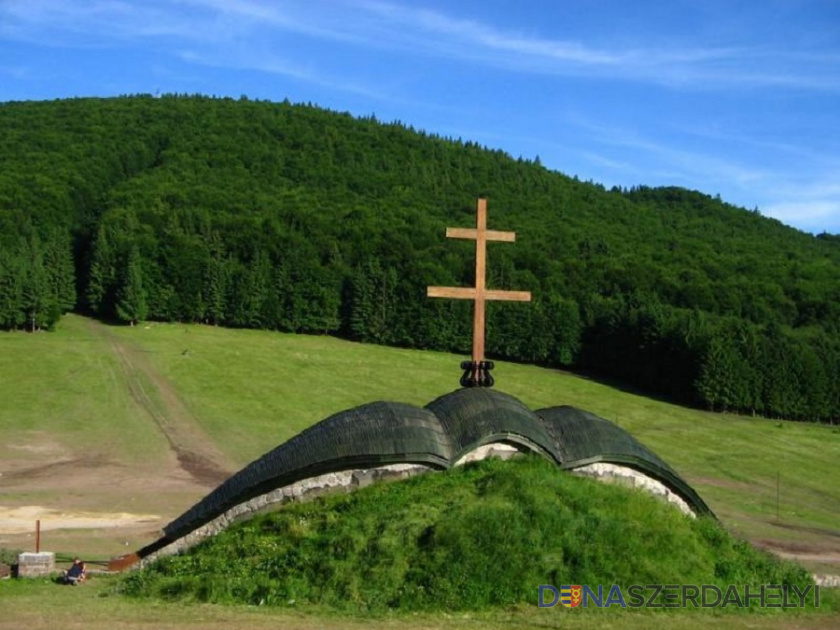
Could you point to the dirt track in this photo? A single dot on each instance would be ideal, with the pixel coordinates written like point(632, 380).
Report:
point(93, 491)
point(74, 492)
point(196, 453)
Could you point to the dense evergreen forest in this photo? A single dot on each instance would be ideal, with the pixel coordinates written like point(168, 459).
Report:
point(294, 218)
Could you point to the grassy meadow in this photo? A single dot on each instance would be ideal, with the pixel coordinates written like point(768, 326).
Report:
point(38, 604)
point(65, 396)
point(437, 543)
point(252, 390)
point(64, 392)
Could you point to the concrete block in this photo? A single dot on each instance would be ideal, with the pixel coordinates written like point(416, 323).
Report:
point(36, 564)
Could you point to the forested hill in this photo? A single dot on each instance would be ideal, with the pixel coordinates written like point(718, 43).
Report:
point(294, 218)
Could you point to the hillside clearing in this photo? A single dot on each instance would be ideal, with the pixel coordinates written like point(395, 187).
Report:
point(76, 439)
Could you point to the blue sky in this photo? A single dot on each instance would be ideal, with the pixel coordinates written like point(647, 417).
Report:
point(739, 98)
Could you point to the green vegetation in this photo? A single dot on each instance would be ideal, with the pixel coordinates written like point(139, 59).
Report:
point(36, 604)
point(483, 536)
point(66, 393)
point(293, 218)
point(253, 389)
point(9, 556)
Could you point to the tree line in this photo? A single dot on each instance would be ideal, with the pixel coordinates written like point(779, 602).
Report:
point(294, 218)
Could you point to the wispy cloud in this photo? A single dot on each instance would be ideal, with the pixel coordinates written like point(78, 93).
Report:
point(272, 64)
point(812, 215)
point(814, 203)
point(806, 197)
point(15, 72)
point(421, 31)
point(612, 164)
point(99, 23)
point(403, 56)
point(695, 66)
point(473, 39)
point(665, 158)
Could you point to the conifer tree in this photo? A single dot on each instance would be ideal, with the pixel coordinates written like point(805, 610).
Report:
point(58, 262)
point(131, 297)
point(12, 313)
point(39, 303)
point(101, 274)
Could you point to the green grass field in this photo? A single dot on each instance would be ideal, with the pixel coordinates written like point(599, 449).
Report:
point(71, 395)
point(252, 390)
point(40, 604)
point(478, 537)
point(65, 388)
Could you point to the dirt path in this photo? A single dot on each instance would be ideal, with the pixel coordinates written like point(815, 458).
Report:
point(92, 502)
point(196, 452)
point(824, 551)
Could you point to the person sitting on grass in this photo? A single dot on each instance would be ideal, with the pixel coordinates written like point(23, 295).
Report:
point(75, 574)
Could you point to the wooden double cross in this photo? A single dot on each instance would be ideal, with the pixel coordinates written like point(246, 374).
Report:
point(479, 293)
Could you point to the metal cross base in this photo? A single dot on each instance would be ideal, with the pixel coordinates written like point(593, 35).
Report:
point(477, 374)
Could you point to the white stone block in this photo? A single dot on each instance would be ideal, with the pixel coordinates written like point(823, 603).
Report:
point(40, 564)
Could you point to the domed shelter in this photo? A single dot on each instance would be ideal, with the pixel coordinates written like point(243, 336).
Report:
point(389, 439)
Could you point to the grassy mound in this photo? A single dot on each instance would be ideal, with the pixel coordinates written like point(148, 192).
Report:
point(485, 535)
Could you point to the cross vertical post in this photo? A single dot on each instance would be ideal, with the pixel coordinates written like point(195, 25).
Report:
point(477, 372)
point(480, 280)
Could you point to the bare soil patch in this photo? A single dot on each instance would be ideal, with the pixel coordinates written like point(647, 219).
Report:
point(91, 506)
point(803, 552)
point(18, 520)
point(817, 547)
point(97, 503)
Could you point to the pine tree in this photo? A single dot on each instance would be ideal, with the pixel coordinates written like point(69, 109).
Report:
point(717, 372)
point(12, 313)
point(58, 262)
point(39, 303)
point(101, 275)
point(131, 297)
point(373, 302)
point(216, 281)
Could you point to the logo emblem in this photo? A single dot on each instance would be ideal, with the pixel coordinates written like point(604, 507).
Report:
point(570, 596)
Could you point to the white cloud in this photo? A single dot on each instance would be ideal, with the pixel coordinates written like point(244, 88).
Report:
point(272, 64)
point(612, 163)
point(807, 196)
point(694, 67)
point(788, 177)
point(417, 30)
point(666, 159)
point(814, 215)
point(85, 24)
point(16, 72)
point(813, 203)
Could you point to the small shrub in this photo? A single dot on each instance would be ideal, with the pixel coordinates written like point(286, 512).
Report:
point(9, 556)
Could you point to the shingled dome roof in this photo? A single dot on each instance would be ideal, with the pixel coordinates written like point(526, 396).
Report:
point(436, 436)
